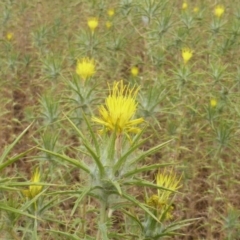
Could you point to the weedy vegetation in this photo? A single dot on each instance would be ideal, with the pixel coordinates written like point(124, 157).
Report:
point(119, 120)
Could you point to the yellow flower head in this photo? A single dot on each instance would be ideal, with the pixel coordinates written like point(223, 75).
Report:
point(161, 202)
point(162, 207)
point(34, 190)
point(134, 71)
point(108, 24)
point(154, 202)
point(120, 108)
point(184, 6)
point(219, 10)
point(9, 36)
point(186, 54)
point(92, 23)
point(111, 12)
point(169, 181)
point(85, 68)
point(213, 103)
point(196, 10)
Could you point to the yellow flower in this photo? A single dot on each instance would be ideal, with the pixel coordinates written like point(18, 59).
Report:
point(120, 108)
point(196, 10)
point(184, 6)
point(92, 23)
point(168, 181)
point(9, 36)
point(111, 12)
point(219, 10)
point(213, 103)
point(162, 208)
point(108, 24)
point(162, 202)
point(134, 71)
point(85, 68)
point(34, 190)
point(186, 54)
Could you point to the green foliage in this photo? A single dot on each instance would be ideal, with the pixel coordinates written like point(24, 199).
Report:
point(95, 184)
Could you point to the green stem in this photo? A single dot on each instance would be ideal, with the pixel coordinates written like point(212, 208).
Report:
point(118, 145)
point(103, 218)
point(35, 224)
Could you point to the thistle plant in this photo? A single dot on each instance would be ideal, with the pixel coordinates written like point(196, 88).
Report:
point(212, 111)
point(231, 39)
point(39, 37)
point(114, 156)
point(35, 203)
point(82, 97)
point(150, 9)
point(49, 112)
point(109, 22)
point(88, 44)
point(49, 140)
point(217, 22)
point(231, 223)
point(85, 68)
point(183, 73)
point(188, 20)
point(52, 67)
point(224, 134)
point(5, 160)
point(218, 71)
point(12, 63)
point(161, 206)
point(33, 190)
point(161, 202)
point(92, 24)
point(150, 101)
point(126, 7)
point(8, 46)
point(164, 24)
point(83, 94)
point(10, 207)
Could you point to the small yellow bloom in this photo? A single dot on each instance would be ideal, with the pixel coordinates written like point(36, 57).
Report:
point(168, 181)
point(119, 110)
point(111, 12)
point(155, 202)
point(162, 202)
point(186, 54)
point(9, 36)
point(92, 23)
point(134, 71)
point(108, 24)
point(219, 10)
point(213, 103)
point(184, 6)
point(34, 190)
point(196, 10)
point(85, 68)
